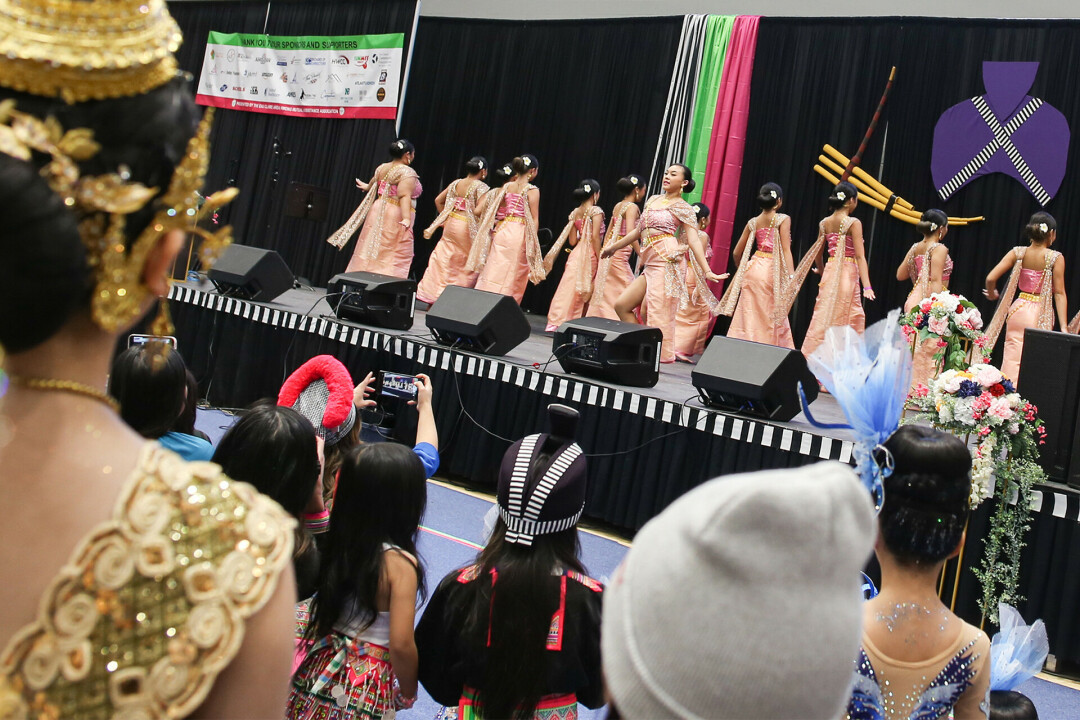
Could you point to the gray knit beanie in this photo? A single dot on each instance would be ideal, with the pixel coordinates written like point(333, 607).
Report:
point(742, 599)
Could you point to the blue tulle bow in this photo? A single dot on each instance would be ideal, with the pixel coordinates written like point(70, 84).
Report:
point(1018, 651)
point(869, 376)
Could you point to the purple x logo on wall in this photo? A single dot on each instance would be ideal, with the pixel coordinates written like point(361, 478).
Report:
point(1004, 131)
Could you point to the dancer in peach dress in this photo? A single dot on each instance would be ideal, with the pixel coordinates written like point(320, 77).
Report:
point(584, 230)
point(694, 319)
point(386, 240)
point(510, 258)
point(614, 274)
point(839, 301)
point(1037, 272)
point(457, 217)
point(928, 266)
point(754, 298)
point(667, 228)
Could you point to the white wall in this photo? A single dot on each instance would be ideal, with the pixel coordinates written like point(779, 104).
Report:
point(554, 9)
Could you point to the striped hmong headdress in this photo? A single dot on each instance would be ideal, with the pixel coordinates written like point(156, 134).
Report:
point(534, 500)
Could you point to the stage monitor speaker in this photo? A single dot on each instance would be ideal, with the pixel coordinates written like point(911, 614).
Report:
point(370, 299)
point(250, 273)
point(617, 352)
point(477, 320)
point(753, 378)
point(1050, 380)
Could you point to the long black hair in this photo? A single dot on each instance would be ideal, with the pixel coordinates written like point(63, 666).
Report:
point(518, 615)
point(381, 495)
point(926, 497)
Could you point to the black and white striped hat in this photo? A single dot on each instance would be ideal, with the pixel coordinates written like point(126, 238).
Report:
point(541, 489)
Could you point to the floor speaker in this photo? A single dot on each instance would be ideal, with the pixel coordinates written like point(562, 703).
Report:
point(370, 299)
point(617, 352)
point(250, 273)
point(1050, 380)
point(477, 320)
point(753, 378)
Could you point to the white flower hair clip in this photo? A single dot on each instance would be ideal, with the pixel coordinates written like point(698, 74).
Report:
point(1043, 227)
point(480, 164)
point(634, 179)
point(772, 194)
point(840, 195)
point(400, 144)
point(587, 187)
point(507, 169)
point(933, 226)
point(526, 162)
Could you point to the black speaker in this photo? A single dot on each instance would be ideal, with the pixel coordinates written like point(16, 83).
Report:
point(371, 299)
point(250, 273)
point(753, 378)
point(477, 320)
point(618, 352)
point(1050, 380)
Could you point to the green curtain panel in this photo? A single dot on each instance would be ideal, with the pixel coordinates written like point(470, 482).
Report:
point(717, 35)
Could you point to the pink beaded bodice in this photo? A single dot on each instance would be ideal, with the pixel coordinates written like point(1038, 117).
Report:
point(764, 237)
point(460, 204)
point(1030, 281)
point(833, 238)
point(513, 204)
point(946, 272)
point(386, 189)
point(659, 220)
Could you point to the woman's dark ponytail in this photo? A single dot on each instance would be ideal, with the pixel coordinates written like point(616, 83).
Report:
point(476, 165)
point(1039, 227)
point(931, 221)
point(841, 194)
point(769, 195)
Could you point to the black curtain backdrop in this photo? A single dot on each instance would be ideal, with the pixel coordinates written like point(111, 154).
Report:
point(586, 97)
point(262, 154)
point(818, 81)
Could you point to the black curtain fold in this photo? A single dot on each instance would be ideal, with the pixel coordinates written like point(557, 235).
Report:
point(586, 97)
point(262, 154)
point(818, 81)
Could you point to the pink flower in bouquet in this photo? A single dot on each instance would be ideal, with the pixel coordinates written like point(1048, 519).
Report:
point(999, 408)
point(920, 391)
point(981, 341)
point(909, 332)
point(984, 431)
point(941, 343)
point(939, 325)
point(988, 375)
point(926, 305)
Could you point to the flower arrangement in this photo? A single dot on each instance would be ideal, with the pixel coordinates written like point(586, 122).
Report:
point(950, 319)
point(980, 401)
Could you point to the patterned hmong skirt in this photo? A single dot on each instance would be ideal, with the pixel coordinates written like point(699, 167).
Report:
point(340, 678)
point(550, 707)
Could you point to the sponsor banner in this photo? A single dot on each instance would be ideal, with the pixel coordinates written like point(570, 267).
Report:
point(349, 76)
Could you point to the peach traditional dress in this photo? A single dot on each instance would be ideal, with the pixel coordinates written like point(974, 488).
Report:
point(924, 369)
point(753, 299)
point(384, 247)
point(613, 274)
point(1034, 307)
point(663, 256)
point(509, 258)
point(576, 286)
point(694, 319)
point(446, 266)
point(839, 300)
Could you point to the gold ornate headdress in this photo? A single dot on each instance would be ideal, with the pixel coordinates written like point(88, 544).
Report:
point(95, 50)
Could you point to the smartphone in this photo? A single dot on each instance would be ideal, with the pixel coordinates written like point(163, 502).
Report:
point(136, 339)
point(396, 385)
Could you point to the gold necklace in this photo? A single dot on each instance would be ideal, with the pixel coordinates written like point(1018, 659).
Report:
point(66, 386)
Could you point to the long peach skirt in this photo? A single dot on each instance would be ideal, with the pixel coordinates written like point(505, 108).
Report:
point(848, 309)
point(619, 277)
point(1022, 315)
point(446, 266)
point(924, 369)
point(507, 269)
point(396, 252)
point(658, 309)
point(692, 323)
point(567, 303)
point(752, 319)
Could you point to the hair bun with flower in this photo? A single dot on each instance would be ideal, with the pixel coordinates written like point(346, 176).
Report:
point(526, 161)
point(634, 179)
point(840, 195)
point(1043, 227)
point(587, 187)
point(772, 194)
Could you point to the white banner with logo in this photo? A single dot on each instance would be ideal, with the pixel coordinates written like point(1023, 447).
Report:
point(351, 76)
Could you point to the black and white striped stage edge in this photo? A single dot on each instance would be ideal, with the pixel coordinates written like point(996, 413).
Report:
point(1059, 503)
point(1002, 140)
point(563, 387)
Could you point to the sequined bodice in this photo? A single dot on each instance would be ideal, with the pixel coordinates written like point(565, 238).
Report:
point(460, 204)
point(946, 272)
point(152, 605)
point(659, 220)
point(388, 190)
point(833, 239)
point(1030, 280)
point(765, 239)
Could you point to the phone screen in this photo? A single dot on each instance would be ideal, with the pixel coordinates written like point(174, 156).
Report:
point(397, 385)
point(136, 339)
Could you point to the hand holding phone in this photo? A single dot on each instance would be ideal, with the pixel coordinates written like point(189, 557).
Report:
point(397, 385)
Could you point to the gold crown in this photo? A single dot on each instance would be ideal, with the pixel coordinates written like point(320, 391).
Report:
point(80, 50)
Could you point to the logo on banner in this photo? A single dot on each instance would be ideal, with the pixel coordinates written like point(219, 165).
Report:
point(312, 78)
point(268, 75)
point(263, 59)
point(340, 60)
point(291, 93)
point(334, 77)
point(362, 60)
point(254, 89)
point(238, 88)
point(213, 55)
point(315, 61)
point(347, 90)
point(382, 76)
point(284, 77)
point(380, 95)
point(223, 88)
point(231, 56)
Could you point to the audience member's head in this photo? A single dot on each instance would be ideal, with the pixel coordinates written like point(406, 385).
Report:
point(150, 383)
point(926, 496)
point(742, 599)
point(1011, 705)
point(274, 448)
point(322, 391)
point(185, 423)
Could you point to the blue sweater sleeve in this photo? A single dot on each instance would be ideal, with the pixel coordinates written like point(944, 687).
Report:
point(429, 456)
